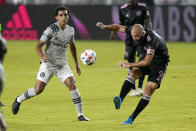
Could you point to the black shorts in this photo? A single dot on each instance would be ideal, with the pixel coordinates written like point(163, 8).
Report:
point(155, 72)
point(130, 51)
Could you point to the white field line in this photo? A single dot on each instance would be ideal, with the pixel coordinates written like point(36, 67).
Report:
point(8, 73)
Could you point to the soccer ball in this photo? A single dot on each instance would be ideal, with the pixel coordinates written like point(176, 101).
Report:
point(88, 57)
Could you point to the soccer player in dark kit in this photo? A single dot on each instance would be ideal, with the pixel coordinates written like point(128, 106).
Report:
point(133, 12)
point(153, 63)
point(3, 50)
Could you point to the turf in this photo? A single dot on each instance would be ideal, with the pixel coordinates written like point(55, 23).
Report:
point(172, 107)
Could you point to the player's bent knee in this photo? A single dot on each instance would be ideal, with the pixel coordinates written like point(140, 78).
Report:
point(70, 83)
point(150, 88)
point(153, 85)
point(73, 87)
point(39, 87)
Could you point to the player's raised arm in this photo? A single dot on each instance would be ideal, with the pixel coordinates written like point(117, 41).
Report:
point(113, 27)
point(40, 52)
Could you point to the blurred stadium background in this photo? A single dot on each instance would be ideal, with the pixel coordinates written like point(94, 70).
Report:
point(173, 106)
point(173, 19)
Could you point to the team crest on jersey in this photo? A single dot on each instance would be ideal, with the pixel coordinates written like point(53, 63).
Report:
point(124, 6)
point(138, 13)
point(42, 74)
point(127, 15)
point(148, 38)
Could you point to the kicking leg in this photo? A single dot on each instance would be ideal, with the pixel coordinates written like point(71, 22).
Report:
point(150, 88)
point(127, 86)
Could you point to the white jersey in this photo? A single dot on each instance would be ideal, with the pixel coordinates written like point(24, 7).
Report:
point(57, 41)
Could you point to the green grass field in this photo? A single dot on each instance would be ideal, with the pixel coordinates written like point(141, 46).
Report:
point(172, 107)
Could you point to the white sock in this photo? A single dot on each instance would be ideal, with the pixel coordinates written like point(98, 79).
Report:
point(77, 101)
point(28, 94)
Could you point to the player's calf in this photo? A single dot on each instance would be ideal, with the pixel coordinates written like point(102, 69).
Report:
point(26, 95)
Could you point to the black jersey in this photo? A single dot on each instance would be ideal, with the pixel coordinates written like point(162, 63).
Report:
point(153, 44)
point(3, 48)
point(133, 15)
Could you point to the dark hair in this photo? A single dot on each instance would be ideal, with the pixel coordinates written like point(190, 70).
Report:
point(58, 8)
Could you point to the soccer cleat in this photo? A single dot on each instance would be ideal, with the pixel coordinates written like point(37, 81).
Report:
point(117, 102)
point(133, 92)
point(1, 104)
point(139, 92)
point(82, 118)
point(128, 121)
point(15, 107)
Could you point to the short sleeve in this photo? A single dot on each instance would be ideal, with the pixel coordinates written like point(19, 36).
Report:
point(128, 30)
point(47, 34)
point(72, 40)
point(151, 45)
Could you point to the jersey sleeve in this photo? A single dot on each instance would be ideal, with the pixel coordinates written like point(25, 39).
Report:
point(72, 40)
point(151, 45)
point(47, 34)
point(128, 30)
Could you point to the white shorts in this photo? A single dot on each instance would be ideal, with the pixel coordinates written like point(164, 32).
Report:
point(47, 70)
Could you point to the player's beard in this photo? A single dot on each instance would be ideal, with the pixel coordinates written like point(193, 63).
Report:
point(140, 41)
point(63, 23)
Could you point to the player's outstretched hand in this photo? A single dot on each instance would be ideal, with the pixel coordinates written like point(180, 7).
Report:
point(45, 58)
point(123, 65)
point(100, 25)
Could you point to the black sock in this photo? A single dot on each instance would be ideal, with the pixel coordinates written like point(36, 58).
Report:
point(126, 87)
point(141, 80)
point(141, 105)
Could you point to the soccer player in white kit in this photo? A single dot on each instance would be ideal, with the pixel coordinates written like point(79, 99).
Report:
point(3, 50)
point(57, 37)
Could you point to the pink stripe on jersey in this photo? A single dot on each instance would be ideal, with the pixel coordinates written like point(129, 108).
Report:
point(25, 17)
point(150, 51)
point(141, 4)
point(124, 6)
